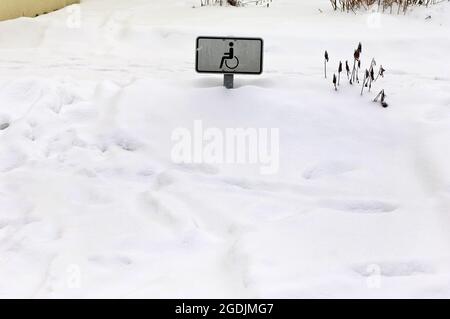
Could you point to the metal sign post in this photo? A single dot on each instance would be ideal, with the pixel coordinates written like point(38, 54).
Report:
point(228, 81)
point(229, 56)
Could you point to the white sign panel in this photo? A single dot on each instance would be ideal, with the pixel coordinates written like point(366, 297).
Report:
point(229, 55)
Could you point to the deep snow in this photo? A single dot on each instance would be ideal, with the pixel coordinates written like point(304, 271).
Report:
point(91, 204)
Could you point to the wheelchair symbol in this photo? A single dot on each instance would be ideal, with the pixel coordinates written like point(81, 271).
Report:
point(229, 59)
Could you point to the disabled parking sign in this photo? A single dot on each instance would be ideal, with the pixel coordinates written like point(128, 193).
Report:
point(229, 55)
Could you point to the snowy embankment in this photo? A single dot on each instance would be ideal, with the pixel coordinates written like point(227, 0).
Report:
point(91, 204)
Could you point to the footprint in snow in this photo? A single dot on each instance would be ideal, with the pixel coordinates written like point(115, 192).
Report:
point(359, 206)
point(394, 269)
point(119, 139)
point(163, 180)
point(127, 144)
point(125, 141)
point(327, 169)
point(4, 122)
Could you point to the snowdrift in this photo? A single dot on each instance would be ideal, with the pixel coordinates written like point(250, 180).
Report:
point(92, 204)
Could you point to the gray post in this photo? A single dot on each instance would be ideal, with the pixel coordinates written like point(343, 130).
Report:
point(228, 81)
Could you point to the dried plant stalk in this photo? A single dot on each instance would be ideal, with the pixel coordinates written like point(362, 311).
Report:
point(400, 5)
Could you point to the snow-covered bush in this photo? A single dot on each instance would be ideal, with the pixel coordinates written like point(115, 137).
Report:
point(398, 5)
point(219, 2)
point(235, 3)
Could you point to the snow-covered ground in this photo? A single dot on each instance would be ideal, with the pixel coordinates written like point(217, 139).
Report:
point(92, 204)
